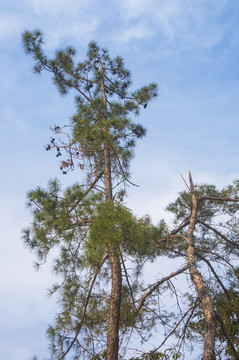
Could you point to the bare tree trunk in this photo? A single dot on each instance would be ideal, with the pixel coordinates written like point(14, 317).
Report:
point(206, 303)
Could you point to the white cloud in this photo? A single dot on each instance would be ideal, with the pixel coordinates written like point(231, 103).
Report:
point(138, 31)
point(192, 22)
point(54, 7)
point(10, 25)
point(134, 8)
point(76, 32)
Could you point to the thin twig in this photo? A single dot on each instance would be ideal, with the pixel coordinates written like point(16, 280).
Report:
point(174, 329)
point(185, 182)
point(218, 233)
point(158, 283)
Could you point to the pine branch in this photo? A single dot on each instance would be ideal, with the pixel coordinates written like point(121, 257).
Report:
point(66, 82)
point(198, 282)
point(216, 198)
point(175, 231)
point(227, 336)
point(128, 282)
point(87, 191)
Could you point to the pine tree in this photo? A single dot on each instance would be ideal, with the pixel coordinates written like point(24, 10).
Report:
point(88, 224)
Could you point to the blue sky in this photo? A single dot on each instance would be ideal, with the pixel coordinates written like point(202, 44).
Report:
point(189, 47)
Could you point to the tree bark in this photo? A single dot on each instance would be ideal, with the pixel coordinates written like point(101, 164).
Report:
point(197, 279)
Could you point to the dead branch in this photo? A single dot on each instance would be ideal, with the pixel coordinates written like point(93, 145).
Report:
point(222, 258)
point(217, 233)
point(214, 273)
point(217, 198)
point(174, 329)
point(158, 283)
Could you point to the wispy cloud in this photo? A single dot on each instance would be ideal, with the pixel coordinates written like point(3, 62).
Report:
point(10, 25)
point(131, 9)
point(77, 32)
point(178, 20)
point(54, 7)
point(137, 31)
point(59, 19)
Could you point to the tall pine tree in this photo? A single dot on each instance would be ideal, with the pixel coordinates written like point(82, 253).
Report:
point(87, 224)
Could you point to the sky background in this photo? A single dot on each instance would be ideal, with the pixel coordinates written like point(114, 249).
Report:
point(189, 47)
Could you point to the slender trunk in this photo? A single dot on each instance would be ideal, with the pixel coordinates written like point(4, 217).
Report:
point(115, 299)
point(107, 175)
point(116, 276)
point(114, 310)
point(197, 279)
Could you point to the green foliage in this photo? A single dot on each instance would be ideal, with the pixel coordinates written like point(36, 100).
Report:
point(80, 225)
point(103, 102)
point(227, 306)
point(206, 209)
point(55, 223)
point(113, 223)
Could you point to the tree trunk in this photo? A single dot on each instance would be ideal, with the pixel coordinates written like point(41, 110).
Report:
point(116, 282)
point(114, 311)
point(206, 303)
point(115, 299)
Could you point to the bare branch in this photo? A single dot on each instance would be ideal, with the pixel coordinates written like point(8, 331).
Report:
point(187, 322)
point(222, 258)
point(127, 279)
point(217, 198)
point(158, 283)
point(218, 233)
point(215, 274)
point(175, 231)
point(174, 329)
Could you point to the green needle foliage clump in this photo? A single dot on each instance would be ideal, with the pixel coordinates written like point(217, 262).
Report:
point(116, 224)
